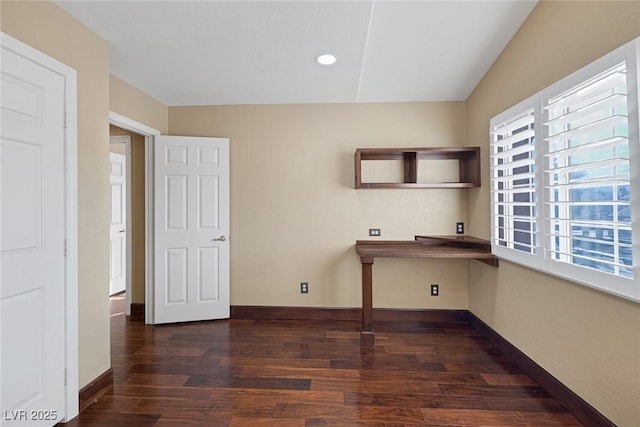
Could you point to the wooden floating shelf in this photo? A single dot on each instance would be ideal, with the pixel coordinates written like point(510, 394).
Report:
point(453, 247)
point(468, 166)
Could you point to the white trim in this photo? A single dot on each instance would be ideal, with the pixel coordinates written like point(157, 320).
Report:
point(525, 258)
point(633, 99)
point(633, 84)
point(149, 288)
point(589, 71)
point(71, 207)
point(148, 132)
point(131, 125)
point(72, 305)
point(126, 140)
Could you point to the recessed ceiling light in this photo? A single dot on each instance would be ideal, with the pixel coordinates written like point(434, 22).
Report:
point(326, 59)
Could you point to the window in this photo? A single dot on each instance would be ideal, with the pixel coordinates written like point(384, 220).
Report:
point(565, 175)
point(514, 181)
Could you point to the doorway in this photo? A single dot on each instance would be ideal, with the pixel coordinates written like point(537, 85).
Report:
point(126, 272)
point(211, 154)
point(140, 230)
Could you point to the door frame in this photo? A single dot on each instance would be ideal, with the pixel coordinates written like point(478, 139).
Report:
point(148, 132)
point(71, 215)
point(126, 140)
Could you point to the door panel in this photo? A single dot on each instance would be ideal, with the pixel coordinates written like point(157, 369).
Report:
point(118, 234)
point(32, 245)
point(208, 277)
point(191, 216)
point(208, 203)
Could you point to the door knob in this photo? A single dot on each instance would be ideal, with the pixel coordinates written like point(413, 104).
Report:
point(220, 239)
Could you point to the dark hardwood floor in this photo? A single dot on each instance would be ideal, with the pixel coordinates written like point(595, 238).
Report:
point(311, 373)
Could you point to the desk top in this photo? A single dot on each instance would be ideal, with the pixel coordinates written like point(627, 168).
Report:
point(460, 247)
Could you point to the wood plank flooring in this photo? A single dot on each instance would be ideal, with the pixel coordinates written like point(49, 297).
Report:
point(306, 373)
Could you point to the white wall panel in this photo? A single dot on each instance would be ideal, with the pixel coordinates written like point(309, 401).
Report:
point(208, 156)
point(21, 204)
point(117, 267)
point(21, 100)
point(25, 378)
point(208, 202)
point(175, 156)
point(176, 276)
point(117, 194)
point(176, 215)
point(208, 277)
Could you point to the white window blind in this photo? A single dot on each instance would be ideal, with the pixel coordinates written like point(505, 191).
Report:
point(565, 177)
point(587, 175)
point(513, 180)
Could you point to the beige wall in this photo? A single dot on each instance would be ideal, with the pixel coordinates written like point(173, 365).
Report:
point(134, 104)
point(117, 148)
point(587, 339)
point(44, 26)
point(137, 226)
point(295, 215)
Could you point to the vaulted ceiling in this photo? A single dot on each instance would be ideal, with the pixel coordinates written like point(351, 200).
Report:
point(263, 52)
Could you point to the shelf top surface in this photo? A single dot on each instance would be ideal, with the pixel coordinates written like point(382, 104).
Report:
point(436, 247)
point(417, 149)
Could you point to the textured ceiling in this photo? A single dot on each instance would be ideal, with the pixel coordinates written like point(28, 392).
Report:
point(262, 52)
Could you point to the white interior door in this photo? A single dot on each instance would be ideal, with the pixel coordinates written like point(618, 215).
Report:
point(191, 220)
point(32, 243)
point(118, 258)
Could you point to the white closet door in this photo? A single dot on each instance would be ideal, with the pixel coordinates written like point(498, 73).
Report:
point(32, 242)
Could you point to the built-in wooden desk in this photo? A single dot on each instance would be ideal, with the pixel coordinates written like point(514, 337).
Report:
point(445, 247)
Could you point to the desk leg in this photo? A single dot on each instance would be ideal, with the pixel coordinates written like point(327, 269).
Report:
point(367, 335)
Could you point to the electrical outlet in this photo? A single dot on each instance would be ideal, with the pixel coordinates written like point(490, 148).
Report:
point(304, 287)
point(459, 227)
point(374, 232)
point(435, 290)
